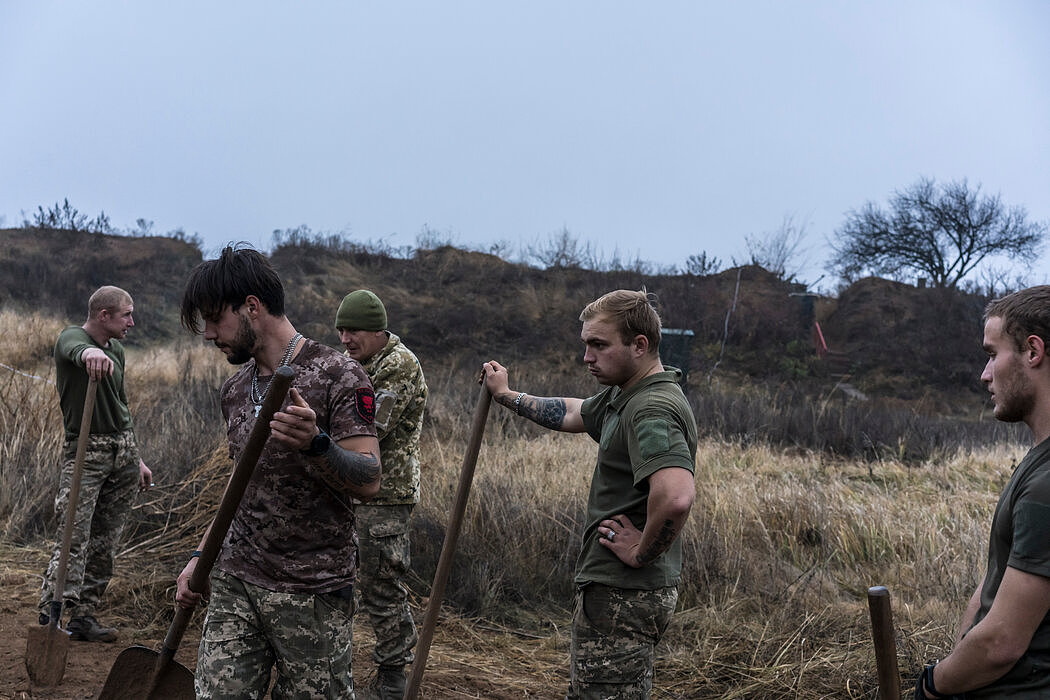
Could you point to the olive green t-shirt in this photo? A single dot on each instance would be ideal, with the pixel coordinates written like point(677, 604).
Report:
point(639, 431)
point(111, 414)
point(1020, 538)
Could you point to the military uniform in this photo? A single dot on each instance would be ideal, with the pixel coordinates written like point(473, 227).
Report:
point(383, 523)
point(621, 612)
point(109, 478)
point(282, 590)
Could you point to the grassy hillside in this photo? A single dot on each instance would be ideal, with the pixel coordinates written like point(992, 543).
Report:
point(804, 496)
point(456, 307)
point(55, 271)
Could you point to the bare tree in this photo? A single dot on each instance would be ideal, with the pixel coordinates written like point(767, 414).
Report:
point(702, 265)
point(779, 251)
point(66, 217)
point(942, 232)
point(563, 250)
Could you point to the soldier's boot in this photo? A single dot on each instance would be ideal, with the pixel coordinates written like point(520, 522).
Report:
point(87, 629)
point(391, 682)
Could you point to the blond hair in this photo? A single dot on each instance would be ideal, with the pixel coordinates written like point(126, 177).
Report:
point(107, 298)
point(631, 311)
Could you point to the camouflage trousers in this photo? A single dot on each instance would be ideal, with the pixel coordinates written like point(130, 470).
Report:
point(614, 634)
point(248, 630)
point(382, 533)
point(107, 486)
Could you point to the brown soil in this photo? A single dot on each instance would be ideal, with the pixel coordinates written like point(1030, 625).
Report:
point(465, 660)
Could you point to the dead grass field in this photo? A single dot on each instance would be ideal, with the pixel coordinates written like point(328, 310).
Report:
point(781, 546)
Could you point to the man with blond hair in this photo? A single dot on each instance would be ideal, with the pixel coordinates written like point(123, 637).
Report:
point(1003, 646)
point(629, 567)
point(112, 466)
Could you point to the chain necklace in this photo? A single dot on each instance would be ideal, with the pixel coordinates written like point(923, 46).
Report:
point(256, 395)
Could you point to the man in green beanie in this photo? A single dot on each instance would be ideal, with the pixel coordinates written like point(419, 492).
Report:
point(382, 524)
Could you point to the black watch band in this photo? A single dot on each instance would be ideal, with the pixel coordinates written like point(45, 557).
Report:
point(319, 445)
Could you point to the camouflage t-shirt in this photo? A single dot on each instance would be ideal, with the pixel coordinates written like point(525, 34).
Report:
point(291, 533)
point(401, 396)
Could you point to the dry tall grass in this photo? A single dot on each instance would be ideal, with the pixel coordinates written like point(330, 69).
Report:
point(781, 546)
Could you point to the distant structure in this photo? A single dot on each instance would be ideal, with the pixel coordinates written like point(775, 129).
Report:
point(676, 345)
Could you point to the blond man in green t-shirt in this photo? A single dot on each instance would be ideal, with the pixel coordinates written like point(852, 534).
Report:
point(641, 493)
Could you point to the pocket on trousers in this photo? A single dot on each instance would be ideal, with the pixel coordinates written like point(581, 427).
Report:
point(338, 603)
point(387, 529)
point(607, 664)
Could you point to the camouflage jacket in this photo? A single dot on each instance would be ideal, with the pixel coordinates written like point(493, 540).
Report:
point(401, 396)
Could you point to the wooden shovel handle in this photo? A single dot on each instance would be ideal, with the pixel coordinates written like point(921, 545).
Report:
point(231, 499)
point(885, 645)
point(59, 593)
point(448, 547)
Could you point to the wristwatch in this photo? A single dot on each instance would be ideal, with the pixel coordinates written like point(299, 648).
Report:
point(319, 445)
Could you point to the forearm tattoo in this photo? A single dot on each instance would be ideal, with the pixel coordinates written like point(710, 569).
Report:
point(346, 472)
point(663, 540)
point(550, 413)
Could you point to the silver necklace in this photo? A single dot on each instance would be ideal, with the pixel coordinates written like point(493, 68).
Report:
point(256, 395)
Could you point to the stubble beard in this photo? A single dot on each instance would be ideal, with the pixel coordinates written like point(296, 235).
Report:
point(242, 345)
point(1014, 400)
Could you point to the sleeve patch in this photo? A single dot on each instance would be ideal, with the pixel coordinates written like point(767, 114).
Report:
point(653, 439)
point(365, 404)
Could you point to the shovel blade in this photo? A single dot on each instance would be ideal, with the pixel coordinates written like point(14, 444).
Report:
point(46, 649)
point(132, 674)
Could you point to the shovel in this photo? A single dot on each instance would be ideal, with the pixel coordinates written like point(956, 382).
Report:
point(885, 647)
point(140, 672)
point(47, 646)
point(448, 548)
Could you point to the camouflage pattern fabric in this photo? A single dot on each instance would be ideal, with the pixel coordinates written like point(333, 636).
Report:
point(401, 397)
point(384, 539)
point(107, 487)
point(291, 532)
point(614, 633)
point(249, 629)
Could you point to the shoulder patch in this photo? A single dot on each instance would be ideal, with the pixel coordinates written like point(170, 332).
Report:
point(365, 403)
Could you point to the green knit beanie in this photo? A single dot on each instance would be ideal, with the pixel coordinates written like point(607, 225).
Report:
point(361, 311)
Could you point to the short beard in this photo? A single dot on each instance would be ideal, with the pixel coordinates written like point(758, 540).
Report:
point(1017, 399)
point(242, 346)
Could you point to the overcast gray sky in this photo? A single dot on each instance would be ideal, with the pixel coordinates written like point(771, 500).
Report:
point(649, 130)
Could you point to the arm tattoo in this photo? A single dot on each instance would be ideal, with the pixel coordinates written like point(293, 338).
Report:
point(663, 540)
point(550, 413)
point(346, 471)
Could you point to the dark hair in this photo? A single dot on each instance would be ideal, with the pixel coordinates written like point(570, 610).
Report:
point(631, 311)
point(227, 281)
point(1024, 313)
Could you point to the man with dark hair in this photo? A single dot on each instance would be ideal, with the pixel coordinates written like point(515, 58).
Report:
point(641, 492)
point(382, 524)
point(1003, 646)
point(112, 466)
point(282, 591)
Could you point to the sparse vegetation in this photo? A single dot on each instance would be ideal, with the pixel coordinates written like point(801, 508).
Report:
point(792, 521)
